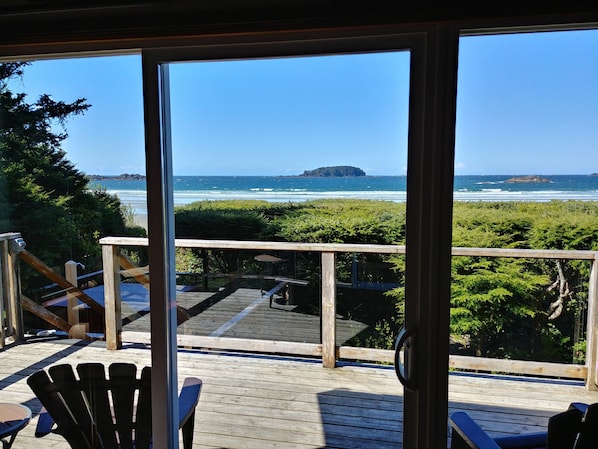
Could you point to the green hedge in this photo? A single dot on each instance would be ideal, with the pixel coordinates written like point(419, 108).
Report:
point(500, 306)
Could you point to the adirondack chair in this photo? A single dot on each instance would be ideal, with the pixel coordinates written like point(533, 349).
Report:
point(95, 412)
point(576, 428)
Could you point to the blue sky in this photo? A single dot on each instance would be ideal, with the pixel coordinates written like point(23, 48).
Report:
point(527, 104)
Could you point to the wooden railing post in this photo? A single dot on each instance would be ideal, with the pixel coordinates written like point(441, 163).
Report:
point(10, 287)
point(592, 331)
point(112, 296)
point(328, 309)
point(14, 283)
point(77, 329)
point(70, 273)
point(3, 290)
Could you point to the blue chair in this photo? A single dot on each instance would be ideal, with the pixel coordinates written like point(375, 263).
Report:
point(576, 428)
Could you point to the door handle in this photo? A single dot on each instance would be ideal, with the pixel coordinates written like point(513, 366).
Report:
point(405, 358)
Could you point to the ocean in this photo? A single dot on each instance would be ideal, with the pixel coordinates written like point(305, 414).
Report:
point(188, 189)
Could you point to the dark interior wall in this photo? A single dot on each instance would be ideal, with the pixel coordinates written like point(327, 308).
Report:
point(136, 23)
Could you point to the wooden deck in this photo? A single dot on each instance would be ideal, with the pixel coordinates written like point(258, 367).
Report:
point(246, 313)
point(234, 311)
point(274, 402)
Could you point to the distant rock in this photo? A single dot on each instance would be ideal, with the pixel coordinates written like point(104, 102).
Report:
point(528, 179)
point(121, 177)
point(337, 171)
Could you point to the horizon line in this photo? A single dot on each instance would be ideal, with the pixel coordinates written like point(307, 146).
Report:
point(133, 175)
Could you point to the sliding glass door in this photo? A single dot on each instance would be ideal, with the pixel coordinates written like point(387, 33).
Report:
point(283, 123)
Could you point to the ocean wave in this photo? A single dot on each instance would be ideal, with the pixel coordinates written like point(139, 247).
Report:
point(136, 199)
point(536, 196)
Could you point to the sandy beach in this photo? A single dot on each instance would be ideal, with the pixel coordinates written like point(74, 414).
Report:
point(140, 220)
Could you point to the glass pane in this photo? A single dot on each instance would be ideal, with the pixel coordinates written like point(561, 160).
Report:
point(525, 178)
point(303, 149)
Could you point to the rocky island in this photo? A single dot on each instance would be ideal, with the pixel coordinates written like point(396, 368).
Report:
point(338, 171)
point(528, 179)
point(121, 177)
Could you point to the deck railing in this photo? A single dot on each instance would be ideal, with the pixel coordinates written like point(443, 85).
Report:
point(11, 306)
point(328, 349)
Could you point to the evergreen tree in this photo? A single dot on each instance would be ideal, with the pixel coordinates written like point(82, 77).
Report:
point(42, 195)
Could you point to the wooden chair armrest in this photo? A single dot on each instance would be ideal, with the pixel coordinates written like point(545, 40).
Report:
point(468, 435)
point(582, 407)
point(535, 440)
point(45, 424)
point(188, 398)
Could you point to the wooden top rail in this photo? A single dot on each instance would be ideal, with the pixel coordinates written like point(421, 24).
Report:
point(527, 253)
point(260, 245)
point(355, 248)
point(10, 236)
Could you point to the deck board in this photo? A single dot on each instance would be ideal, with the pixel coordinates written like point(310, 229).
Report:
point(283, 402)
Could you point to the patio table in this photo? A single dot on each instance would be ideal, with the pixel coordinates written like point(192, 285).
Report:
point(13, 417)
